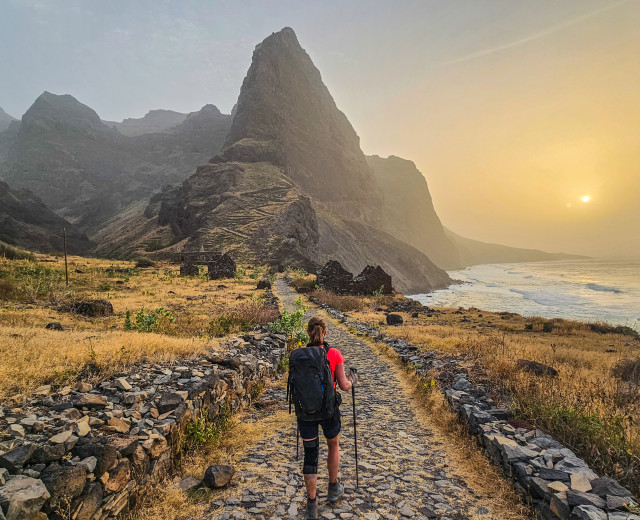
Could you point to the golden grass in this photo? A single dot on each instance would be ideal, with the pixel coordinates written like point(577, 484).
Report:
point(586, 406)
point(33, 356)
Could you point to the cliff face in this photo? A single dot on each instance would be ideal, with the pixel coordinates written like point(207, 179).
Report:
point(291, 186)
point(408, 210)
point(287, 116)
point(88, 172)
point(26, 222)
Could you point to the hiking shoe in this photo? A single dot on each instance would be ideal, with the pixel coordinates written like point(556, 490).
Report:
point(336, 490)
point(312, 509)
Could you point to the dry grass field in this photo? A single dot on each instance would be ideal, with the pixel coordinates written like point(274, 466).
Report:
point(593, 405)
point(168, 317)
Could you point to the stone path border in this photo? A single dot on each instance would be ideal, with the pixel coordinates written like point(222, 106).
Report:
point(90, 453)
point(550, 477)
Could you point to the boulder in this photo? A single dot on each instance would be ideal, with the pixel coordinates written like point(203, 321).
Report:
point(101, 448)
point(91, 501)
point(169, 401)
point(14, 459)
point(54, 325)
point(22, 497)
point(587, 513)
point(218, 476)
point(372, 280)
point(118, 477)
point(607, 486)
point(92, 308)
point(394, 319)
point(64, 483)
point(537, 368)
point(47, 453)
point(92, 401)
point(264, 284)
point(333, 277)
point(578, 498)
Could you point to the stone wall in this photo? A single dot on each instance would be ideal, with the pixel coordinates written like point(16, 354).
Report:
point(89, 453)
point(550, 477)
point(333, 277)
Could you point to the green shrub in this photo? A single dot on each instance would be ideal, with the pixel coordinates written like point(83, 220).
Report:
point(547, 326)
point(105, 286)
point(143, 261)
point(7, 289)
point(605, 328)
point(159, 320)
point(292, 324)
point(13, 253)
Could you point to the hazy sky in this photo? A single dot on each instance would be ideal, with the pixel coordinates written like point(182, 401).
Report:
point(513, 110)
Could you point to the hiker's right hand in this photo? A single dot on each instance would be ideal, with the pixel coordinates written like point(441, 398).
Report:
point(353, 377)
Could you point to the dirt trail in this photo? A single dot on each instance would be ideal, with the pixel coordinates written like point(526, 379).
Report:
point(404, 471)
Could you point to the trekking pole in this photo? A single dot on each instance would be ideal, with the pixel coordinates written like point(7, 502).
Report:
point(297, 440)
point(354, 372)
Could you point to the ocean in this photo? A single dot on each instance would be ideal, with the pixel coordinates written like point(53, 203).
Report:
point(584, 290)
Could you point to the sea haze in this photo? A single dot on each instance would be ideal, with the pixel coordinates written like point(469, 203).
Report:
point(585, 290)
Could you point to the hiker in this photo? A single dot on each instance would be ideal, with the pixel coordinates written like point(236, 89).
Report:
point(318, 405)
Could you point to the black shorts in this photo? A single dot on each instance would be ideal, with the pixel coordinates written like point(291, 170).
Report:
point(330, 427)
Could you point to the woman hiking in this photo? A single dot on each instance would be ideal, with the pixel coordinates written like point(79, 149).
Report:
point(303, 362)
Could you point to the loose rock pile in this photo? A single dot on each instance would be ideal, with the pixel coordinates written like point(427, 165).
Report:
point(88, 453)
point(550, 477)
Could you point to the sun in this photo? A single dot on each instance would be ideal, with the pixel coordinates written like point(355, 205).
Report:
point(586, 198)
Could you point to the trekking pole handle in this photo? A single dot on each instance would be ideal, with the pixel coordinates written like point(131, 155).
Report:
point(353, 372)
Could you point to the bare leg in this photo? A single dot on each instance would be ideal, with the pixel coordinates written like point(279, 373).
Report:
point(333, 459)
point(311, 483)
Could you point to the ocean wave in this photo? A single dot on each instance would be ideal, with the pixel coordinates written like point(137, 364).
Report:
point(602, 288)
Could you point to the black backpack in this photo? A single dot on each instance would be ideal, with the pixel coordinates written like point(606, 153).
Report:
point(310, 384)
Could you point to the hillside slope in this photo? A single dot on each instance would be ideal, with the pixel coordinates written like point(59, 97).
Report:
point(88, 172)
point(292, 186)
point(26, 222)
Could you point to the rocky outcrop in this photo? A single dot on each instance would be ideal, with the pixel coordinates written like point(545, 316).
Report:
point(5, 120)
point(26, 222)
point(91, 452)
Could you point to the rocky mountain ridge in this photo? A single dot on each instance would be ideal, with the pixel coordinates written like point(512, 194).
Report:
point(152, 122)
point(5, 120)
point(291, 186)
point(287, 185)
point(88, 172)
point(27, 223)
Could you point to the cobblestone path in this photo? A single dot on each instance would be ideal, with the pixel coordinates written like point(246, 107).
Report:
point(403, 472)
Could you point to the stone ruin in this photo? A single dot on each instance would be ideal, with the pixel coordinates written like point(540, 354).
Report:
point(219, 265)
point(337, 279)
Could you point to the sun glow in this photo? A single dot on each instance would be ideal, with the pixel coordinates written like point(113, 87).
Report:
point(586, 198)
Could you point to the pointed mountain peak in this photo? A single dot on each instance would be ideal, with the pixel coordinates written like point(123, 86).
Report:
point(285, 115)
point(6, 117)
point(61, 108)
